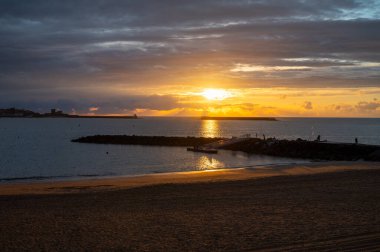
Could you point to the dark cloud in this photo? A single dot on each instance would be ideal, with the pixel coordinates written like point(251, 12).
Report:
point(106, 105)
point(307, 105)
point(167, 12)
point(368, 106)
point(53, 46)
point(362, 107)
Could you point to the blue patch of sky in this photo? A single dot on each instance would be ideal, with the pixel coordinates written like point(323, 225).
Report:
point(370, 9)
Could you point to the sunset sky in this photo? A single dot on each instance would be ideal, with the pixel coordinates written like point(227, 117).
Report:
point(192, 58)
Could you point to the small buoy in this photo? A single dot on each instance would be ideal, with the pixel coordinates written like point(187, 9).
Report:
point(107, 152)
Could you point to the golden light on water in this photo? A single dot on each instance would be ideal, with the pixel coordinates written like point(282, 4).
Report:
point(215, 94)
point(209, 163)
point(210, 128)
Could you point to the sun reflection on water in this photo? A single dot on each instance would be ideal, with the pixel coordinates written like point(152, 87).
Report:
point(210, 128)
point(207, 162)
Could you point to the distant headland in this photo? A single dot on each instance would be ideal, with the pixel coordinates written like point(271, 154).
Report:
point(54, 113)
point(238, 118)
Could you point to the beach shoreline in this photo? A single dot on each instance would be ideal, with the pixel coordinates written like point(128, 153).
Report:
point(217, 175)
point(312, 207)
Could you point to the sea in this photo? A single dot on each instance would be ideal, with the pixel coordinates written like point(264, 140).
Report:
point(34, 149)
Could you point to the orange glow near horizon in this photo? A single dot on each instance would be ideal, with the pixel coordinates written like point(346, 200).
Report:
point(212, 100)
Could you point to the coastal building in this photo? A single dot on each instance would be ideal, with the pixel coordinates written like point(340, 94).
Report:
point(56, 112)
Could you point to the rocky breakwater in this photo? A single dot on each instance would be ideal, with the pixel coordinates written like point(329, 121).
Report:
point(313, 150)
point(146, 140)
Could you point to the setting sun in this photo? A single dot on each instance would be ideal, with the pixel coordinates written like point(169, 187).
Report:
point(215, 94)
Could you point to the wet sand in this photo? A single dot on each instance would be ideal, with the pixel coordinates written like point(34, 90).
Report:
point(319, 207)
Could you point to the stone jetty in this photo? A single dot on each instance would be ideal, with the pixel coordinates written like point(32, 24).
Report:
point(312, 150)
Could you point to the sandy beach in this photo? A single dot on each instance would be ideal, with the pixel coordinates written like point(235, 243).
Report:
point(316, 206)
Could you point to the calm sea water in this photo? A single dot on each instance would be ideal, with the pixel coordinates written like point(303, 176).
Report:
point(41, 148)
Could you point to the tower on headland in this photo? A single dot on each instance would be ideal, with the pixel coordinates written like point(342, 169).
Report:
point(55, 112)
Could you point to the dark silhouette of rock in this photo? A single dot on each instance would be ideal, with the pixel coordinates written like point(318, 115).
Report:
point(283, 148)
point(238, 118)
point(146, 140)
point(374, 156)
point(309, 149)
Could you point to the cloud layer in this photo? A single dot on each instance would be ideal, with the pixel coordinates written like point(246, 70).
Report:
point(138, 54)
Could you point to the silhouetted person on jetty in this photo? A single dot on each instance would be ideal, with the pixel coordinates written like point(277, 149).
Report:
point(318, 138)
point(356, 140)
point(264, 136)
